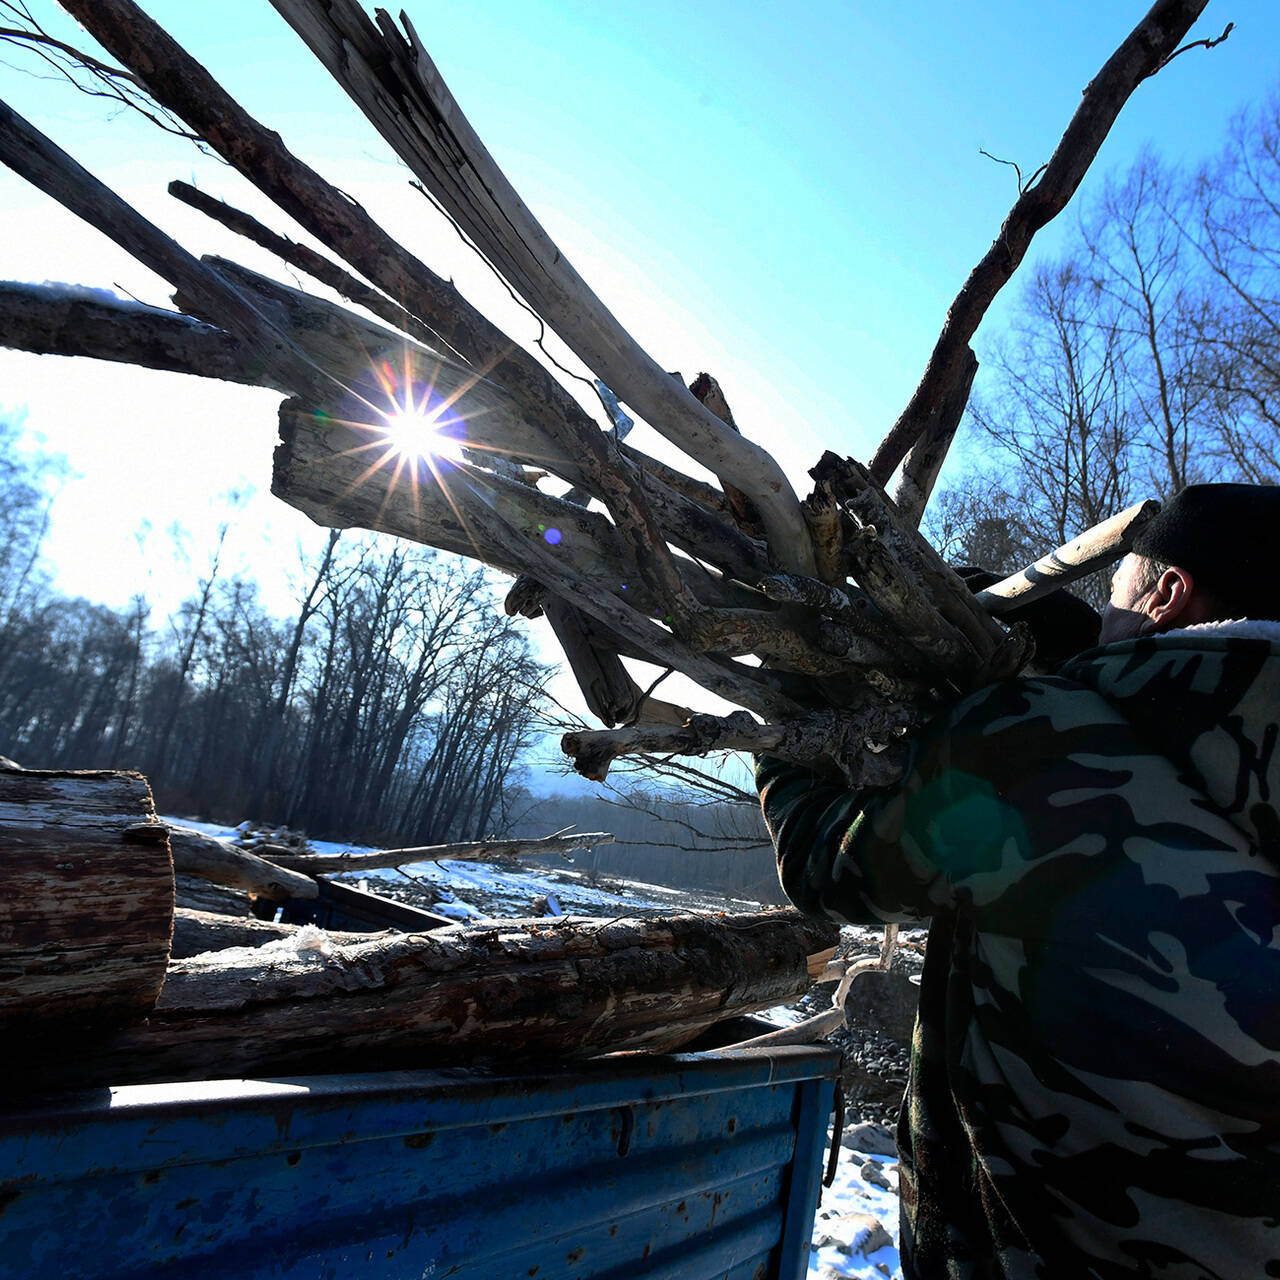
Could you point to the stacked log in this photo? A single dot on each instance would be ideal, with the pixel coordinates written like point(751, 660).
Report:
point(109, 984)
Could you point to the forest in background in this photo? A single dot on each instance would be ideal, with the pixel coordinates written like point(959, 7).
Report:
point(394, 705)
point(397, 704)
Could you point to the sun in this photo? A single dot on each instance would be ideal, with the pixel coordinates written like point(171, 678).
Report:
point(418, 433)
point(417, 423)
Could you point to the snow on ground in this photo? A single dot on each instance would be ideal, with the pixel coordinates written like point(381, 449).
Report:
point(477, 889)
point(856, 1230)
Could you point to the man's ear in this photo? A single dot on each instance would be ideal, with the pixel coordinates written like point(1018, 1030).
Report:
point(1170, 600)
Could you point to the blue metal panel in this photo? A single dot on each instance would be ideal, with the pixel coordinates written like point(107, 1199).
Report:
point(686, 1166)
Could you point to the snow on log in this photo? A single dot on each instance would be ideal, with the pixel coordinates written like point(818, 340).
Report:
point(87, 910)
point(510, 991)
point(195, 932)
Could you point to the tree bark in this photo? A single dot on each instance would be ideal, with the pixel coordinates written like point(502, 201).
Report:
point(514, 992)
point(87, 910)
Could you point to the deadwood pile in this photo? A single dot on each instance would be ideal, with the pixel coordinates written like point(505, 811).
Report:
point(827, 619)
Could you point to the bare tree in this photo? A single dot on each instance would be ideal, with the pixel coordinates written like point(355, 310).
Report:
point(1143, 360)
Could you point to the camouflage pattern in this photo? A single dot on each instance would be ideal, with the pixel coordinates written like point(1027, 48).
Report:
point(1095, 1082)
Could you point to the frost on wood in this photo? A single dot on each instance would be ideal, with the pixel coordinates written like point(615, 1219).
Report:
point(829, 619)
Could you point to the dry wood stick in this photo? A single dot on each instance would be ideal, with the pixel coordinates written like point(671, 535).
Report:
point(391, 78)
point(181, 85)
point(52, 320)
point(1142, 53)
point(305, 259)
point(316, 864)
point(221, 863)
point(918, 562)
point(924, 461)
point(1084, 554)
point(837, 735)
point(34, 157)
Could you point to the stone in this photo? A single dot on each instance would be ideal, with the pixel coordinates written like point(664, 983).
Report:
point(853, 1234)
point(870, 1139)
point(873, 1172)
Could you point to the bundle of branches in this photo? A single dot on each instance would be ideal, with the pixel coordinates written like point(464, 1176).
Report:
point(830, 621)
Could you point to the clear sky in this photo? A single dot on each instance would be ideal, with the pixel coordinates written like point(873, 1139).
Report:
point(787, 195)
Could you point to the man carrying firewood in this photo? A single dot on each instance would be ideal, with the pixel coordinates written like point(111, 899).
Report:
point(1095, 1078)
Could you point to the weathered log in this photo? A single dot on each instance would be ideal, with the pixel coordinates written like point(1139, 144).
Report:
point(86, 914)
point(1090, 551)
point(314, 864)
point(197, 854)
point(514, 992)
point(195, 932)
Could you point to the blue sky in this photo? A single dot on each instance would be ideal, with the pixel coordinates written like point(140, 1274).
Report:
point(785, 195)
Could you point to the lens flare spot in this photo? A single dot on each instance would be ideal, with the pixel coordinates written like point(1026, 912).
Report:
point(553, 536)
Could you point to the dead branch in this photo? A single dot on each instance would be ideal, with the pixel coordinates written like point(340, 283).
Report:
point(50, 320)
point(316, 864)
point(863, 741)
point(197, 854)
point(29, 153)
point(1083, 555)
point(847, 608)
point(1143, 52)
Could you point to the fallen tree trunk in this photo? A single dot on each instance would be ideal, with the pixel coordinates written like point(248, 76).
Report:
point(317, 864)
point(519, 991)
point(197, 854)
point(87, 908)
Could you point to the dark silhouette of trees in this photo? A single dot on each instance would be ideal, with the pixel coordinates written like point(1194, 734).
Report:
point(396, 704)
point(1144, 359)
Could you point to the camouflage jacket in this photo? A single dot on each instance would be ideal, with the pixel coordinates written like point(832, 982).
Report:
point(1095, 1079)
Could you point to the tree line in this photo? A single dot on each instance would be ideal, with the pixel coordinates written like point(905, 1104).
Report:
point(394, 705)
point(1144, 358)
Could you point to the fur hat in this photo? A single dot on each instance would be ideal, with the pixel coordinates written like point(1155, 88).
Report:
point(1225, 537)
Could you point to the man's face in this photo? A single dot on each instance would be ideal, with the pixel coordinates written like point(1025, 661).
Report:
point(1122, 619)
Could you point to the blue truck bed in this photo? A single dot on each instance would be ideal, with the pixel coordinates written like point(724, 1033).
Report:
point(685, 1167)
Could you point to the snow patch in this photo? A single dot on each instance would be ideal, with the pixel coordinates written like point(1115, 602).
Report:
point(309, 940)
